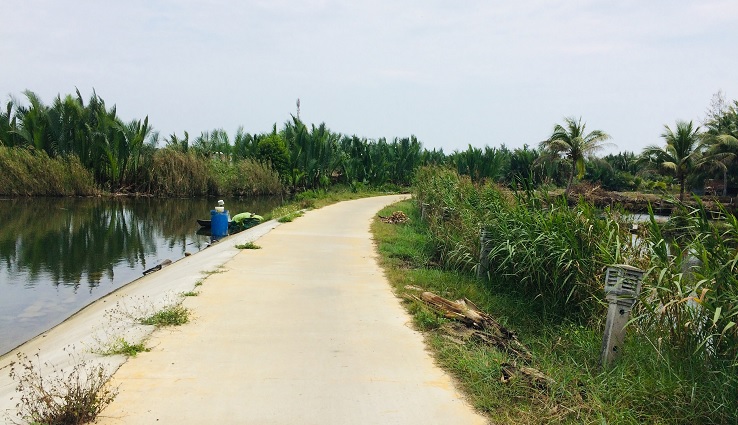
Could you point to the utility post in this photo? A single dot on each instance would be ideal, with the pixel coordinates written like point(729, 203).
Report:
point(622, 286)
point(484, 249)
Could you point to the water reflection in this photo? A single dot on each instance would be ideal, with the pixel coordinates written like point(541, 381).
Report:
point(59, 254)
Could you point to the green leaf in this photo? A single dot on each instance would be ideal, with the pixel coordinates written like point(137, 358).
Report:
point(716, 317)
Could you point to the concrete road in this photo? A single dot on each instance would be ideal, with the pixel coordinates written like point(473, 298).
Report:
point(305, 330)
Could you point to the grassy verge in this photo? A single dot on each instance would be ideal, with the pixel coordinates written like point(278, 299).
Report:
point(644, 387)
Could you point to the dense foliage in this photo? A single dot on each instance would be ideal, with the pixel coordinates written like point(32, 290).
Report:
point(129, 156)
point(555, 256)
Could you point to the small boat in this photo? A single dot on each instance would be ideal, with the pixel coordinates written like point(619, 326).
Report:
point(206, 223)
point(244, 220)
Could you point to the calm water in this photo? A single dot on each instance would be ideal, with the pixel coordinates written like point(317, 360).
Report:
point(58, 255)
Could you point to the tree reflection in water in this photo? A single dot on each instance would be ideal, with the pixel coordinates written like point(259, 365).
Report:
point(52, 247)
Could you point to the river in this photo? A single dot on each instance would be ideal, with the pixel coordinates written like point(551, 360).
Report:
point(58, 255)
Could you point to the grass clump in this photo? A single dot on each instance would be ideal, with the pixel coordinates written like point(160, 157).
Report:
point(248, 245)
point(122, 346)
point(290, 217)
point(60, 398)
point(220, 269)
point(174, 315)
point(190, 294)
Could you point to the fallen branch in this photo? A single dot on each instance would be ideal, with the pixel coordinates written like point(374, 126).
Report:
point(534, 376)
point(479, 325)
point(158, 267)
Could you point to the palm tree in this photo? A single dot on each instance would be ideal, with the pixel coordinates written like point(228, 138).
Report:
point(722, 150)
point(572, 142)
point(679, 154)
point(721, 140)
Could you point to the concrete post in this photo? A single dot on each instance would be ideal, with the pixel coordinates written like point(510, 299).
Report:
point(484, 249)
point(424, 211)
point(622, 286)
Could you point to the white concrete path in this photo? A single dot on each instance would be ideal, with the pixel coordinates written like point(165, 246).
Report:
point(305, 330)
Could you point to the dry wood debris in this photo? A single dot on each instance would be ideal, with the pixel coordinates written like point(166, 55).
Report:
point(470, 323)
point(397, 217)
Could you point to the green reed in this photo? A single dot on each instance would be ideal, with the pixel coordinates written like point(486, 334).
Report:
point(31, 172)
point(682, 346)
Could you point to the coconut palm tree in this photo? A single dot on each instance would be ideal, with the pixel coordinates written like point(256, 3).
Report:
point(679, 155)
point(572, 142)
point(721, 140)
point(722, 151)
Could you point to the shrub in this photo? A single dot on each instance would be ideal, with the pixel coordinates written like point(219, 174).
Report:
point(70, 398)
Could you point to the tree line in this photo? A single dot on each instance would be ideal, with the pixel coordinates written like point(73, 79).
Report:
point(129, 155)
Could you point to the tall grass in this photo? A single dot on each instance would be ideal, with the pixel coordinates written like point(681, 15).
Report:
point(31, 172)
point(692, 292)
point(682, 360)
point(246, 177)
point(538, 246)
point(177, 173)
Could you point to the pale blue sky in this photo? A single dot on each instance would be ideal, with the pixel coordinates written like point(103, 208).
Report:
point(451, 73)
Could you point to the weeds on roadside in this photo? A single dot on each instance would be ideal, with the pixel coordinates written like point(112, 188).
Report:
point(248, 245)
point(121, 346)
point(144, 312)
point(173, 315)
point(290, 217)
point(60, 397)
point(218, 270)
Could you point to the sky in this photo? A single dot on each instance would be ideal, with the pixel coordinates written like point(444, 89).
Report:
point(452, 73)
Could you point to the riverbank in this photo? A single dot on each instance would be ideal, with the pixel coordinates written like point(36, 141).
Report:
point(348, 358)
point(639, 202)
point(59, 254)
point(165, 173)
point(94, 326)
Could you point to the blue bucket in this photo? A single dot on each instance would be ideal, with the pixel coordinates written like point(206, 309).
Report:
point(218, 224)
